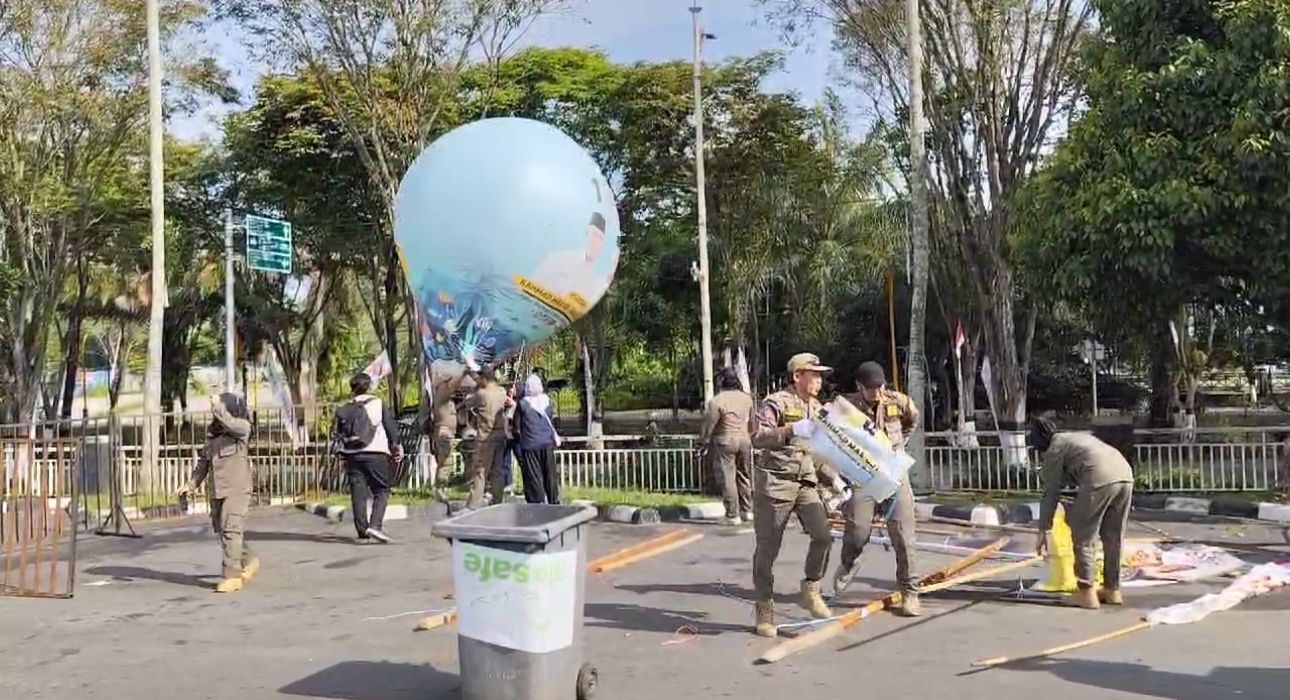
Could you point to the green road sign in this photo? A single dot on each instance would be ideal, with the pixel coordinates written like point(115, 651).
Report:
point(268, 244)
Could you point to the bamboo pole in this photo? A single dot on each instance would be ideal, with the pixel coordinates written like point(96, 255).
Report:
point(645, 546)
point(836, 627)
point(978, 575)
point(652, 551)
point(440, 620)
point(1051, 651)
point(623, 557)
point(1001, 528)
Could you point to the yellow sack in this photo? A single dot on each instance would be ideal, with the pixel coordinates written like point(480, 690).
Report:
point(1061, 558)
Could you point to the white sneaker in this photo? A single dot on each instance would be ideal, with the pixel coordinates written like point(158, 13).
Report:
point(844, 575)
point(748, 518)
point(378, 535)
point(735, 521)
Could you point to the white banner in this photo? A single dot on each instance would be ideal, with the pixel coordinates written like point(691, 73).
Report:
point(1262, 579)
point(277, 380)
point(515, 600)
point(847, 439)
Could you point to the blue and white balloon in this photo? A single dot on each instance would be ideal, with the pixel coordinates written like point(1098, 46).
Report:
point(508, 232)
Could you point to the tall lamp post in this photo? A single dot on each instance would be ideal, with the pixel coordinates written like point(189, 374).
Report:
point(156, 318)
point(705, 299)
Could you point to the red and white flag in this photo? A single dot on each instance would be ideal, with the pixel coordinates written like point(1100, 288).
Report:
point(960, 339)
point(379, 369)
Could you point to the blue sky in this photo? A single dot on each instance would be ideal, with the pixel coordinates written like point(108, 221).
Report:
point(628, 30)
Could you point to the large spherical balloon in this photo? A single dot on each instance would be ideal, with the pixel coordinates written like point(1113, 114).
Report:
point(508, 232)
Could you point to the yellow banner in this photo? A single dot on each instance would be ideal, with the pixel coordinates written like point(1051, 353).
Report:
point(571, 307)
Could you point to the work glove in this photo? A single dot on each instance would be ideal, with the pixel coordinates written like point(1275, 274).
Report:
point(804, 428)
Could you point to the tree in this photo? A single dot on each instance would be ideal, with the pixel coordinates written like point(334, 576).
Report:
point(390, 70)
point(1000, 80)
point(72, 102)
point(289, 156)
point(1148, 215)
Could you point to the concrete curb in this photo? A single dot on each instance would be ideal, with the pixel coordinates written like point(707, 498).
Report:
point(394, 511)
point(704, 512)
point(1027, 513)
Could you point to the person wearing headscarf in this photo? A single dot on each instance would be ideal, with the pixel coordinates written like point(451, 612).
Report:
point(536, 437)
point(225, 468)
point(1104, 483)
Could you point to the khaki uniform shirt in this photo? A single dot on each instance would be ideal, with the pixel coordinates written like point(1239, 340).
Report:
point(727, 418)
point(444, 416)
point(488, 411)
point(894, 413)
point(784, 455)
point(1083, 460)
point(224, 459)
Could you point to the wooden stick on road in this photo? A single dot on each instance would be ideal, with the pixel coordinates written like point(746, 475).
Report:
point(836, 627)
point(650, 545)
point(982, 574)
point(434, 621)
point(652, 551)
point(1001, 660)
point(623, 557)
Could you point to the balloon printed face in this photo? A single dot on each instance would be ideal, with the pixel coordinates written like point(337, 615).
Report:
point(508, 232)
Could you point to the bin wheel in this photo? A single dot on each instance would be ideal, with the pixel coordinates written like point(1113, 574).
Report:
point(588, 679)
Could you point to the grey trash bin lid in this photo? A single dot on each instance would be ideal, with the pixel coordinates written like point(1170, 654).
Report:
point(528, 523)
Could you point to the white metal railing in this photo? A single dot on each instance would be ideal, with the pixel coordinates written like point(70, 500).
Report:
point(1175, 460)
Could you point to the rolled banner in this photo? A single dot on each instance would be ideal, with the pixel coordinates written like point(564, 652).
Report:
point(847, 439)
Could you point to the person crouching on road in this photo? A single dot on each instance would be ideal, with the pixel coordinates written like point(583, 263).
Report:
point(786, 482)
point(224, 462)
point(895, 415)
point(1104, 481)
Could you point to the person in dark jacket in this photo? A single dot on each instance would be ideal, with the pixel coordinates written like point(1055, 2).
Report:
point(537, 439)
point(226, 464)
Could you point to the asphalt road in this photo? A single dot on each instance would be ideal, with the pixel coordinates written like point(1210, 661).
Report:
point(330, 619)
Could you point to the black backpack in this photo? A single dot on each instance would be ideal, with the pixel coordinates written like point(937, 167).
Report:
point(354, 428)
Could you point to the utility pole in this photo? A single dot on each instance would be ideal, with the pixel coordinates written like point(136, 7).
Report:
point(230, 314)
point(920, 475)
point(705, 299)
point(157, 313)
point(1092, 363)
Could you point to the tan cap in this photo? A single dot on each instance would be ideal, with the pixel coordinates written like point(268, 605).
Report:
point(806, 362)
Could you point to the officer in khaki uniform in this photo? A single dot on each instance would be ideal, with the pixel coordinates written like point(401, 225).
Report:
point(1104, 482)
point(443, 429)
point(488, 412)
point(786, 482)
point(895, 414)
point(725, 434)
point(224, 461)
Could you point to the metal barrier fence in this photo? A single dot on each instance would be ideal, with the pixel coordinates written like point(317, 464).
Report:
point(290, 470)
point(38, 502)
point(1173, 461)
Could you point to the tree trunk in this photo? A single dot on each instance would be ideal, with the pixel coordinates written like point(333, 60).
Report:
point(391, 307)
point(73, 344)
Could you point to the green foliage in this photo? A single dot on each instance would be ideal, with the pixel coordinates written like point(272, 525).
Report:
point(1171, 187)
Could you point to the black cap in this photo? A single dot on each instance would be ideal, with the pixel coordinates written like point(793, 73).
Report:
point(871, 376)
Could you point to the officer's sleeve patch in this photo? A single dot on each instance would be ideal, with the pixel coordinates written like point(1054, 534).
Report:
point(893, 411)
point(768, 415)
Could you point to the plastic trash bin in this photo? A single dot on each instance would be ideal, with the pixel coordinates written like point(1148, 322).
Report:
point(519, 570)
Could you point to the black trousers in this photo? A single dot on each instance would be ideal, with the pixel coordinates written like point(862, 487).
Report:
point(369, 477)
point(541, 477)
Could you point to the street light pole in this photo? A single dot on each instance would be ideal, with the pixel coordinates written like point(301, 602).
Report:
point(157, 312)
point(920, 475)
point(705, 299)
point(230, 313)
